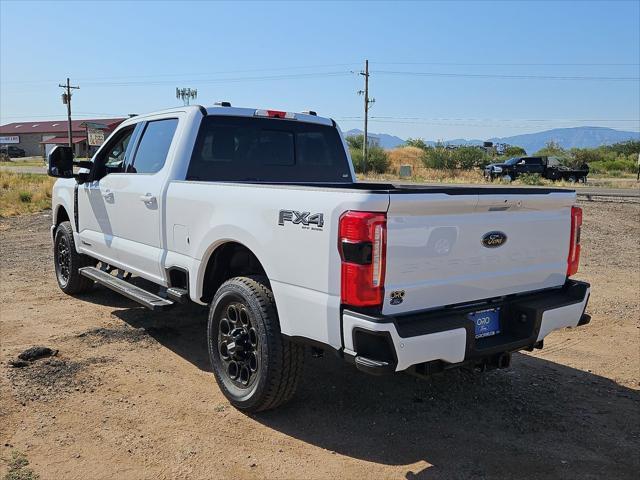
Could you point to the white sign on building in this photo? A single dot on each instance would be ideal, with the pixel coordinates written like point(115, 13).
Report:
point(95, 137)
point(11, 139)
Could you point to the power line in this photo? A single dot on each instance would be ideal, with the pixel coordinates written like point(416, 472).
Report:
point(328, 65)
point(378, 117)
point(483, 123)
point(513, 77)
point(57, 115)
point(216, 80)
point(225, 80)
point(513, 64)
point(180, 76)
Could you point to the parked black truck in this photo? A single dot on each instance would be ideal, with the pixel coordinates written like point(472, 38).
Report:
point(547, 167)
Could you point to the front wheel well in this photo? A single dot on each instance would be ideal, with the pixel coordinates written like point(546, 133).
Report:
point(61, 216)
point(229, 260)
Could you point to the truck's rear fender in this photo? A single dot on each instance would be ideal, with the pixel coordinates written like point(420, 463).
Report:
point(300, 258)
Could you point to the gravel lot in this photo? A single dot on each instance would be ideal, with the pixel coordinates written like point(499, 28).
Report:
point(130, 393)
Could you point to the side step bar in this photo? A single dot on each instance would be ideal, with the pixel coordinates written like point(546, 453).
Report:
point(137, 294)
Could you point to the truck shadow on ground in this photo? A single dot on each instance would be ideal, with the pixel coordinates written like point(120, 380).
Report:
point(537, 419)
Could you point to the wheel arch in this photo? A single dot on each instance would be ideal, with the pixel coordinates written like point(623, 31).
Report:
point(225, 260)
point(60, 215)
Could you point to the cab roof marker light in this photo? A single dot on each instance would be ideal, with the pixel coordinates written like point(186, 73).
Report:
point(275, 114)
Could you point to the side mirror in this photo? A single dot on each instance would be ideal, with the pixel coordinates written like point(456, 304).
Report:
point(60, 162)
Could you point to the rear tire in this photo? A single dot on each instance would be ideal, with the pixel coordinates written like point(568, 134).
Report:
point(255, 366)
point(68, 262)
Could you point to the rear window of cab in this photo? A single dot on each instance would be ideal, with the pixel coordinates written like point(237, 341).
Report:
point(248, 149)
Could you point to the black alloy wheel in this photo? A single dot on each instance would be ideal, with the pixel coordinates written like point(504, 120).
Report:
point(238, 344)
point(62, 258)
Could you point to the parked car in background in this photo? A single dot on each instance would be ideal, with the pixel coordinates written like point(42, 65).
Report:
point(11, 151)
point(547, 167)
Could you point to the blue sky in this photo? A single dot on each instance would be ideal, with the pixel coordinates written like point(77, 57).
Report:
point(129, 57)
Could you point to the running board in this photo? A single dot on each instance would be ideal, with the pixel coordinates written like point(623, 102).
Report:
point(137, 294)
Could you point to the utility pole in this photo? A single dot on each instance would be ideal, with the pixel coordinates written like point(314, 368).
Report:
point(66, 99)
point(367, 102)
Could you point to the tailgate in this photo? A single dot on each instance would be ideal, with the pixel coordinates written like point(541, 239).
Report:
point(436, 254)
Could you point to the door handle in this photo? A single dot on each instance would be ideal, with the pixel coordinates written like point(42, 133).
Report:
point(148, 198)
point(108, 195)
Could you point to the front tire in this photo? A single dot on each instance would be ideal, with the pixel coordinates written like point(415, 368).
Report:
point(255, 366)
point(68, 262)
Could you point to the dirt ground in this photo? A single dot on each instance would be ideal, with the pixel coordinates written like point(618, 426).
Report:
point(130, 394)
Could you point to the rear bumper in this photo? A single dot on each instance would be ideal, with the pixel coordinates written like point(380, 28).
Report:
point(381, 344)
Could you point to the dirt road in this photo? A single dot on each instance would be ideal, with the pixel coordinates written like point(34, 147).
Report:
point(130, 393)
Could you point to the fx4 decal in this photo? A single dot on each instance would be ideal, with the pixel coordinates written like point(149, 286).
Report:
point(306, 219)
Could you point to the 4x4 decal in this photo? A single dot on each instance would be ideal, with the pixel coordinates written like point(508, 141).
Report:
point(305, 219)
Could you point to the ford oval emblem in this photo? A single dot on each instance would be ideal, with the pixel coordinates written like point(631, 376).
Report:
point(494, 239)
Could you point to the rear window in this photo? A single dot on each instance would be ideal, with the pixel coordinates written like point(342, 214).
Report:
point(237, 149)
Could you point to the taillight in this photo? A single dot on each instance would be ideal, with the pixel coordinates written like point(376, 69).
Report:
point(362, 240)
point(275, 114)
point(574, 247)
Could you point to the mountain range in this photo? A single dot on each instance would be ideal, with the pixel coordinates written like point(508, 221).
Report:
point(578, 137)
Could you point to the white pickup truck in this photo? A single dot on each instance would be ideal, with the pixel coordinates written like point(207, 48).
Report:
point(257, 214)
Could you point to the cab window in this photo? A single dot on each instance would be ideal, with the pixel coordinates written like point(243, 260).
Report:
point(153, 147)
point(114, 157)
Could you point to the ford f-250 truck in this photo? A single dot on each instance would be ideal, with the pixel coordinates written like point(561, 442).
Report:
point(257, 214)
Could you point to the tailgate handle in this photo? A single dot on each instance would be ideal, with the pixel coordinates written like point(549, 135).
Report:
point(505, 205)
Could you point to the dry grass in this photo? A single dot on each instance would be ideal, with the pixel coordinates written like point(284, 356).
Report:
point(413, 156)
point(428, 175)
point(22, 162)
point(420, 174)
point(405, 156)
point(24, 193)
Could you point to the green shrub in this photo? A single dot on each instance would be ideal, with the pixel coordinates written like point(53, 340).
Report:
point(416, 142)
point(377, 162)
point(514, 151)
point(439, 158)
point(530, 179)
point(467, 158)
point(461, 158)
point(25, 197)
point(18, 468)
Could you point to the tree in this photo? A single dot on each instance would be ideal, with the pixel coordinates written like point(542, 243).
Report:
point(416, 142)
point(468, 157)
point(514, 151)
point(552, 149)
point(355, 142)
point(377, 161)
point(440, 158)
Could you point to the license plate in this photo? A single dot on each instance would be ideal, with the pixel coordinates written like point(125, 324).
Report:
point(487, 322)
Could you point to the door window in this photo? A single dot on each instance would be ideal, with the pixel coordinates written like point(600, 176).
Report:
point(154, 146)
point(114, 157)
